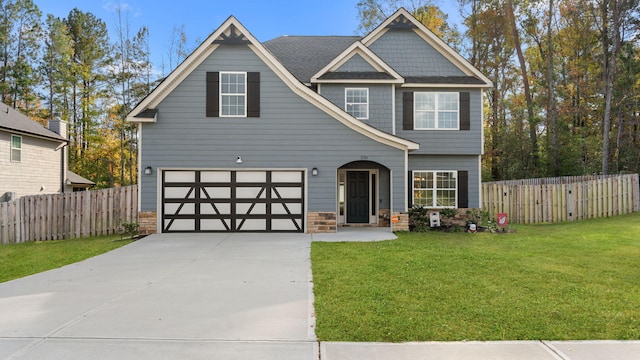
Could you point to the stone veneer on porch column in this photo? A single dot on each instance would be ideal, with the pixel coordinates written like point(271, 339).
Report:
point(321, 222)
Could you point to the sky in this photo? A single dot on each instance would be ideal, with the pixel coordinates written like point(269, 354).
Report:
point(265, 19)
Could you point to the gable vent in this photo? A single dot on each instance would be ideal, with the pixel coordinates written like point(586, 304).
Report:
point(401, 22)
point(232, 37)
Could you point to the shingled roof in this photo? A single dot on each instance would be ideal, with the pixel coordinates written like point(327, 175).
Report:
point(14, 121)
point(304, 56)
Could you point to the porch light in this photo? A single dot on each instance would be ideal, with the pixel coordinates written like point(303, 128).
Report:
point(314, 171)
point(148, 170)
point(239, 160)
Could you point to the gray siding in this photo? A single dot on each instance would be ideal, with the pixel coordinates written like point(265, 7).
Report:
point(39, 167)
point(356, 63)
point(290, 133)
point(408, 54)
point(380, 105)
point(444, 142)
point(468, 163)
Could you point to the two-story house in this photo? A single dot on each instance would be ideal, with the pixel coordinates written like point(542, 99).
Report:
point(33, 159)
point(307, 134)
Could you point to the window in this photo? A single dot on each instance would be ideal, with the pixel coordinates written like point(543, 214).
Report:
point(357, 102)
point(436, 189)
point(16, 148)
point(233, 96)
point(436, 111)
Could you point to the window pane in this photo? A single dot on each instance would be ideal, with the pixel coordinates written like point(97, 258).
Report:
point(446, 180)
point(446, 198)
point(15, 155)
point(357, 101)
point(16, 142)
point(448, 101)
point(425, 120)
point(424, 101)
point(420, 198)
point(447, 120)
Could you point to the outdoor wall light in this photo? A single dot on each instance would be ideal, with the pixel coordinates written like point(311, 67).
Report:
point(314, 171)
point(148, 170)
point(239, 160)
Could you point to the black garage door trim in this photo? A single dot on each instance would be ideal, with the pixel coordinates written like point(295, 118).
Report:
point(198, 194)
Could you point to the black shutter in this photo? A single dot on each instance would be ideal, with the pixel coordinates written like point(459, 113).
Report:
point(463, 189)
point(212, 97)
point(410, 189)
point(465, 111)
point(407, 110)
point(253, 94)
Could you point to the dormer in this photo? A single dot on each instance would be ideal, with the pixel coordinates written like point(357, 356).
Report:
point(357, 64)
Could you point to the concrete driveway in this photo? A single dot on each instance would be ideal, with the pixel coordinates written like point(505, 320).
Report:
point(196, 296)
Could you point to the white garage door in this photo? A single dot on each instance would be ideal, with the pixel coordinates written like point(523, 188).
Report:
point(223, 200)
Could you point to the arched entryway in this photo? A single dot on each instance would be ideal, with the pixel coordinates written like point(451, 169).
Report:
point(364, 194)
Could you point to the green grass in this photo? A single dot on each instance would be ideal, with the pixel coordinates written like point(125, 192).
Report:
point(19, 260)
point(555, 281)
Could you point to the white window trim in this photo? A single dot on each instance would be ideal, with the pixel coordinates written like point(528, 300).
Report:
point(346, 104)
point(415, 127)
point(12, 148)
point(435, 199)
point(223, 94)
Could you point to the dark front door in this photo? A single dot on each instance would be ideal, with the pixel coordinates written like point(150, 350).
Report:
point(357, 197)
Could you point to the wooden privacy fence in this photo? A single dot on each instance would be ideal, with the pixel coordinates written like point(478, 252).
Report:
point(67, 215)
point(563, 198)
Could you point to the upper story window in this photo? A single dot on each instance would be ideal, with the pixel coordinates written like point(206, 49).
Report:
point(16, 148)
point(357, 102)
point(435, 189)
point(233, 94)
point(436, 111)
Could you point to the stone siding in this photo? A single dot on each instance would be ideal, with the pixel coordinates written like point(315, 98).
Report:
point(148, 224)
point(321, 222)
point(403, 222)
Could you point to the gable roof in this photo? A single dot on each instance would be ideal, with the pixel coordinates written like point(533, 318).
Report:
point(402, 19)
point(304, 56)
point(232, 28)
point(357, 48)
point(12, 120)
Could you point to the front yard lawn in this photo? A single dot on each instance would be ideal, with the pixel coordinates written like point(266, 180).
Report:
point(19, 260)
point(576, 280)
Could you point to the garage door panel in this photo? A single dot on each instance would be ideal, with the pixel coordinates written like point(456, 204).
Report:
point(181, 224)
point(286, 176)
point(250, 193)
point(252, 225)
point(286, 193)
point(281, 209)
point(179, 193)
point(251, 176)
point(179, 209)
point(179, 176)
point(215, 193)
point(244, 209)
point(224, 200)
point(215, 224)
point(222, 208)
point(215, 176)
point(285, 225)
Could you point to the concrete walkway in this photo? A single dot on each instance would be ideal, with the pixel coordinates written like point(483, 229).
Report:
point(220, 296)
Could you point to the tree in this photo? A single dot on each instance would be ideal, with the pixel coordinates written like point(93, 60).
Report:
point(90, 48)
point(55, 67)
point(20, 31)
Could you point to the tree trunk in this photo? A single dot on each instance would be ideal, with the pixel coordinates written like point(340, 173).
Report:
point(525, 82)
point(609, 66)
point(551, 112)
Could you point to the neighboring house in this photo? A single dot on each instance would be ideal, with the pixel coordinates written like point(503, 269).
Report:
point(32, 157)
point(309, 133)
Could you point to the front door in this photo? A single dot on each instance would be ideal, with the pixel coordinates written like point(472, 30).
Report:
point(357, 197)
